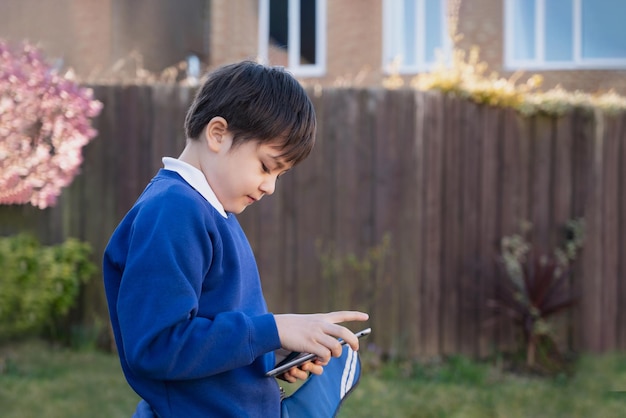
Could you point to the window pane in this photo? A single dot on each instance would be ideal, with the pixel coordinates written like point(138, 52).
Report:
point(279, 32)
point(559, 30)
point(433, 33)
point(308, 31)
point(409, 55)
point(524, 29)
point(603, 29)
point(279, 23)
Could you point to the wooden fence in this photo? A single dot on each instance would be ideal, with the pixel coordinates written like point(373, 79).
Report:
point(398, 211)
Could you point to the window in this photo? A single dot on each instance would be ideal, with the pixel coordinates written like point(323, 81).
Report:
point(292, 33)
point(413, 32)
point(565, 34)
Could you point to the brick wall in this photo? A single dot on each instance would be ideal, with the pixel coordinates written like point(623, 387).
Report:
point(233, 30)
point(354, 42)
point(481, 23)
point(92, 35)
point(79, 32)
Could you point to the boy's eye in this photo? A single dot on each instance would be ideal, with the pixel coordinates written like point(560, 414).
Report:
point(265, 169)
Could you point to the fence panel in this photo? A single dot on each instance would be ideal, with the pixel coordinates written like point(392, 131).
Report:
point(621, 226)
point(609, 216)
point(452, 213)
point(489, 225)
point(398, 211)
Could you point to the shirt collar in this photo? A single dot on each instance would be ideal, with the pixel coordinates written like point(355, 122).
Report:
point(196, 179)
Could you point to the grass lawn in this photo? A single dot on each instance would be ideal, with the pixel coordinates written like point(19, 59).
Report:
point(39, 381)
point(465, 389)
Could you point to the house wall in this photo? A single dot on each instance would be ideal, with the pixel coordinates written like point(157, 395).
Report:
point(165, 32)
point(354, 43)
point(79, 32)
point(481, 23)
point(95, 36)
point(232, 30)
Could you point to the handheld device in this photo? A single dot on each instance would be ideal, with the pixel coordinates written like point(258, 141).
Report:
point(296, 359)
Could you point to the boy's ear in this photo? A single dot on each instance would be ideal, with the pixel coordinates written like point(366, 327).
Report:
point(215, 133)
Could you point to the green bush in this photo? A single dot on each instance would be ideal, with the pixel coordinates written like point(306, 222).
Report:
point(39, 284)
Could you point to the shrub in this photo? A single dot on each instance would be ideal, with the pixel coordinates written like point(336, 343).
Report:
point(466, 76)
point(39, 284)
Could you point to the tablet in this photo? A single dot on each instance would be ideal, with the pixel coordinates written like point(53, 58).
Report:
point(296, 359)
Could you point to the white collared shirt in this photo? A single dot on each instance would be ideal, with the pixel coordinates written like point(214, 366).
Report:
point(196, 179)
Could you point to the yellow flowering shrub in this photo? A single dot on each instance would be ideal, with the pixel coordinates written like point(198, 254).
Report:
point(466, 76)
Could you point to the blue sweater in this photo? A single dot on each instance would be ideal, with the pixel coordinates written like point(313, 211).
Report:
point(187, 310)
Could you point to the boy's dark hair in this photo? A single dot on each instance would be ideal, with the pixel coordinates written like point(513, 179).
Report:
point(258, 102)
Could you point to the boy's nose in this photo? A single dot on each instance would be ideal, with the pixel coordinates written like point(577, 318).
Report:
point(268, 186)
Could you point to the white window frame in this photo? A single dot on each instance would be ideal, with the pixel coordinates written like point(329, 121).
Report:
point(299, 70)
point(539, 62)
point(393, 10)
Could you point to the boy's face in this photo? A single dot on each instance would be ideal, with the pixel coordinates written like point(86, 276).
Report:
point(242, 175)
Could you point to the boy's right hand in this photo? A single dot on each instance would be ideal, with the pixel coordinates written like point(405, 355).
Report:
point(318, 333)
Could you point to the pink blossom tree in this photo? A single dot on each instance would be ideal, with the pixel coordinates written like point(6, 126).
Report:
point(45, 120)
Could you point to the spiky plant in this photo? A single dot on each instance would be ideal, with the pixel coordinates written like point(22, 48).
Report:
point(537, 287)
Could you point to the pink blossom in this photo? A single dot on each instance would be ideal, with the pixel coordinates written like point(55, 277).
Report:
point(45, 120)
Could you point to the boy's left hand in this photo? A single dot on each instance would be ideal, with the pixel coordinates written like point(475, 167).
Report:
point(302, 372)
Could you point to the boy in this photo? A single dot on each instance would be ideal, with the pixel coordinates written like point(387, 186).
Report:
point(190, 322)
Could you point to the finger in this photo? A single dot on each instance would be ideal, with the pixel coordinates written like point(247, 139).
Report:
point(289, 378)
point(297, 373)
point(312, 367)
point(352, 340)
point(319, 362)
point(335, 348)
point(346, 316)
point(338, 331)
point(323, 353)
point(332, 336)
